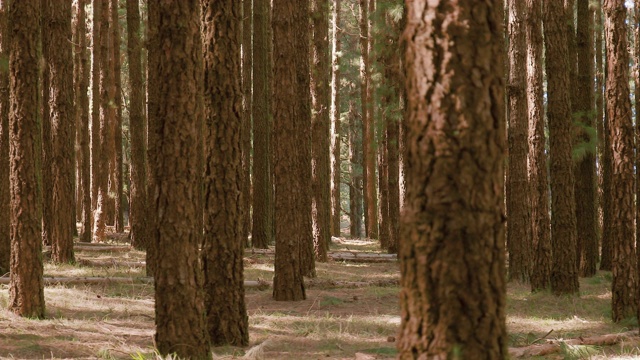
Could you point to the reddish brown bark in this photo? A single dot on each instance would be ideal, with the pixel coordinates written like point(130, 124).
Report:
point(335, 124)
point(5, 192)
point(223, 249)
point(453, 300)
point(621, 132)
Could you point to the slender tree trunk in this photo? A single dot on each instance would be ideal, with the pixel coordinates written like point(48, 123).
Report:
point(138, 187)
point(355, 189)
point(83, 109)
point(335, 124)
point(178, 276)
point(247, 90)
point(368, 146)
point(26, 289)
point(586, 209)
point(118, 175)
point(102, 174)
point(62, 120)
point(383, 181)
point(538, 173)
point(292, 140)
point(95, 103)
point(5, 190)
point(262, 233)
point(564, 275)
point(518, 225)
point(454, 184)
point(47, 180)
point(620, 130)
point(636, 81)
point(153, 129)
point(227, 321)
point(320, 128)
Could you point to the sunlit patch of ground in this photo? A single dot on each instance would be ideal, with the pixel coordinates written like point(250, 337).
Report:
point(116, 321)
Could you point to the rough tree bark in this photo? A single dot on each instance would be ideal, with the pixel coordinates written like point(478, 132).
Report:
point(292, 140)
point(223, 246)
point(26, 290)
point(5, 193)
point(518, 215)
point(247, 90)
point(178, 274)
point(62, 120)
point(320, 128)
point(564, 275)
point(452, 254)
point(138, 187)
point(117, 123)
point(585, 187)
point(621, 132)
point(538, 175)
point(262, 233)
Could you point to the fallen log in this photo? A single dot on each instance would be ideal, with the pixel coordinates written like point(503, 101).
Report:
point(110, 263)
point(89, 280)
point(554, 346)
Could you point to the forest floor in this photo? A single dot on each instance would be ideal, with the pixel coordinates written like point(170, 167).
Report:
point(351, 312)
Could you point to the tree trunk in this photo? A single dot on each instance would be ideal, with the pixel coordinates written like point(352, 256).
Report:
point(117, 124)
point(262, 233)
point(83, 124)
point(138, 187)
point(335, 124)
point(95, 104)
point(247, 90)
point(620, 130)
point(292, 140)
point(320, 124)
point(223, 250)
point(452, 300)
point(355, 188)
point(383, 181)
point(5, 190)
point(564, 275)
point(62, 120)
point(101, 215)
point(518, 225)
point(606, 252)
point(178, 276)
point(636, 79)
point(586, 209)
point(47, 147)
point(26, 290)
point(368, 146)
point(153, 129)
point(538, 175)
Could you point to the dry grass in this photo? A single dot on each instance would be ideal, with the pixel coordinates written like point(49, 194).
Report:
point(115, 321)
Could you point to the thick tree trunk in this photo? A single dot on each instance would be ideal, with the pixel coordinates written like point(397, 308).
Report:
point(5, 193)
point(564, 275)
point(538, 174)
point(452, 300)
point(585, 187)
point(178, 275)
point(336, 162)
point(621, 132)
point(223, 249)
point(320, 124)
point(292, 139)
point(262, 233)
point(518, 215)
point(138, 188)
point(26, 290)
point(62, 120)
